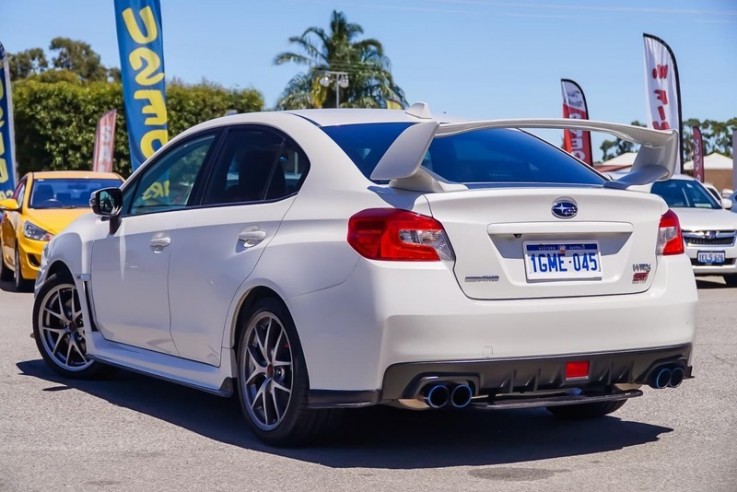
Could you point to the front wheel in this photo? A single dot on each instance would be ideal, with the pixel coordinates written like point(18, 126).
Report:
point(6, 274)
point(21, 284)
point(272, 378)
point(731, 280)
point(586, 410)
point(57, 328)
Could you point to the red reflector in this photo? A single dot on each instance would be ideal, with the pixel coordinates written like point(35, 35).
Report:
point(577, 369)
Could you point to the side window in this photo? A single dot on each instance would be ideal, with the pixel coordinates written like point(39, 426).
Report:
point(254, 165)
point(167, 183)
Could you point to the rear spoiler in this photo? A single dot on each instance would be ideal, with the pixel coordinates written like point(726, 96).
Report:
point(401, 164)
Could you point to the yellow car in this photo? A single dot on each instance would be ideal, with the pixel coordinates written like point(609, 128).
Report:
point(44, 204)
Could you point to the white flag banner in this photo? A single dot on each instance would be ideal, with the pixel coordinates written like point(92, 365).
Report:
point(662, 86)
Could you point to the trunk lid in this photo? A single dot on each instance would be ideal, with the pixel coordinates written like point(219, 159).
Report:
point(509, 245)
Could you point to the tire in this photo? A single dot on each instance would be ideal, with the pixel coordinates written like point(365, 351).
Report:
point(272, 379)
point(6, 274)
point(57, 329)
point(21, 284)
point(586, 410)
point(730, 280)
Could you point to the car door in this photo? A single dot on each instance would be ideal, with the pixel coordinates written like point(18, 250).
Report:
point(129, 267)
point(252, 185)
point(11, 224)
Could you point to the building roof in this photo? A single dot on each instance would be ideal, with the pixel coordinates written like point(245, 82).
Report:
point(715, 160)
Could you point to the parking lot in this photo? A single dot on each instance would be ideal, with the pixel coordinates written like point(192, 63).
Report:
point(129, 432)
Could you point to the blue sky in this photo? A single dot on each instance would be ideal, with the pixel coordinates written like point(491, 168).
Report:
point(471, 58)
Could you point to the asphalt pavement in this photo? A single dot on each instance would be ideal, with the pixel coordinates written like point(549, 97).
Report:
point(129, 432)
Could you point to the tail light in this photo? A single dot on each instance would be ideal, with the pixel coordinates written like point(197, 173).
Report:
point(670, 238)
point(398, 235)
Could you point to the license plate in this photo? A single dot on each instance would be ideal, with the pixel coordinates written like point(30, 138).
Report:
point(548, 260)
point(710, 257)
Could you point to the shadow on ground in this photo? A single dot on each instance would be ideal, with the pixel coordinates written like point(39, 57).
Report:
point(377, 437)
point(710, 283)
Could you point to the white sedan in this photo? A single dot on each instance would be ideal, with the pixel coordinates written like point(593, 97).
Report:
point(311, 261)
point(709, 231)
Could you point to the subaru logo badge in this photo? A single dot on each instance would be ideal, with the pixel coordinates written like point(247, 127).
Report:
point(564, 208)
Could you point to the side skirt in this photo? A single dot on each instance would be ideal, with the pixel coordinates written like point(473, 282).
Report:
point(204, 377)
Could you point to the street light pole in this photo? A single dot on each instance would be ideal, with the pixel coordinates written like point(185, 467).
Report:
point(341, 81)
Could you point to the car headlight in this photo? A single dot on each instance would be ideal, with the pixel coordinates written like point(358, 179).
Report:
point(32, 231)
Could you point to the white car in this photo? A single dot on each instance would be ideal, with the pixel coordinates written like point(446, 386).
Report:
point(709, 231)
point(310, 261)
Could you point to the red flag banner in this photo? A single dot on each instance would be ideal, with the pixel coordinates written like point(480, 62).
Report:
point(698, 154)
point(662, 86)
point(576, 142)
point(102, 160)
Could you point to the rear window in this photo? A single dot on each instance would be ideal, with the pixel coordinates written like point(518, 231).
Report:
point(476, 158)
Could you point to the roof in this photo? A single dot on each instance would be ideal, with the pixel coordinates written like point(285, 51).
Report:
point(715, 161)
point(74, 174)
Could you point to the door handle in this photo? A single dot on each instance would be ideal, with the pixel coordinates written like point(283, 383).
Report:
point(251, 236)
point(158, 243)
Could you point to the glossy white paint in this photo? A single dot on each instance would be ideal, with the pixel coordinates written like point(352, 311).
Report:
point(172, 313)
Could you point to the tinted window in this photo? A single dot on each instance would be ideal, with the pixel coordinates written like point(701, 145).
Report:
point(682, 193)
point(253, 166)
point(480, 156)
point(67, 193)
point(167, 183)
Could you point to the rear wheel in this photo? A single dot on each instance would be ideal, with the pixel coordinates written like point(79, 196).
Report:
point(21, 284)
point(57, 328)
point(731, 280)
point(586, 410)
point(272, 379)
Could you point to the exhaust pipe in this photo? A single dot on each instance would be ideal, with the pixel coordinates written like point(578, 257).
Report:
point(661, 377)
point(461, 395)
point(437, 396)
point(676, 377)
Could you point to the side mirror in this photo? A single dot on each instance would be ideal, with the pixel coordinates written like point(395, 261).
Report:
point(107, 202)
point(9, 205)
point(726, 204)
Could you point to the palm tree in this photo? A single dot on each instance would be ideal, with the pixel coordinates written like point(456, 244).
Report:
point(370, 82)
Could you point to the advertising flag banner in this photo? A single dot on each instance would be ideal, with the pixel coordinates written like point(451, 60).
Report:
point(7, 139)
point(576, 142)
point(102, 160)
point(698, 154)
point(141, 46)
point(663, 89)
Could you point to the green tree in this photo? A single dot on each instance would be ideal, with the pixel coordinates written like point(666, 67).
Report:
point(613, 148)
point(77, 57)
point(55, 120)
point(27, 63)
point(370, 82)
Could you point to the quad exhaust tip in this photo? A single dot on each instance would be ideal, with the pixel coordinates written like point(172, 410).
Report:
point(666, 377)
point(441, 395)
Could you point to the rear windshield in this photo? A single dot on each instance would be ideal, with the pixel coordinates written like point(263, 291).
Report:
point(684, 193)
point(475, 157)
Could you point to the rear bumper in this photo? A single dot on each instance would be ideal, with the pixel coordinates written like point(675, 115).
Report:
point(519, 382)
point(387, 319)
point(532, 374)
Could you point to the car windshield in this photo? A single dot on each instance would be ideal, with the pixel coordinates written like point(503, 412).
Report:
point(67, 192)
point(683, 193)
point(479, 158)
